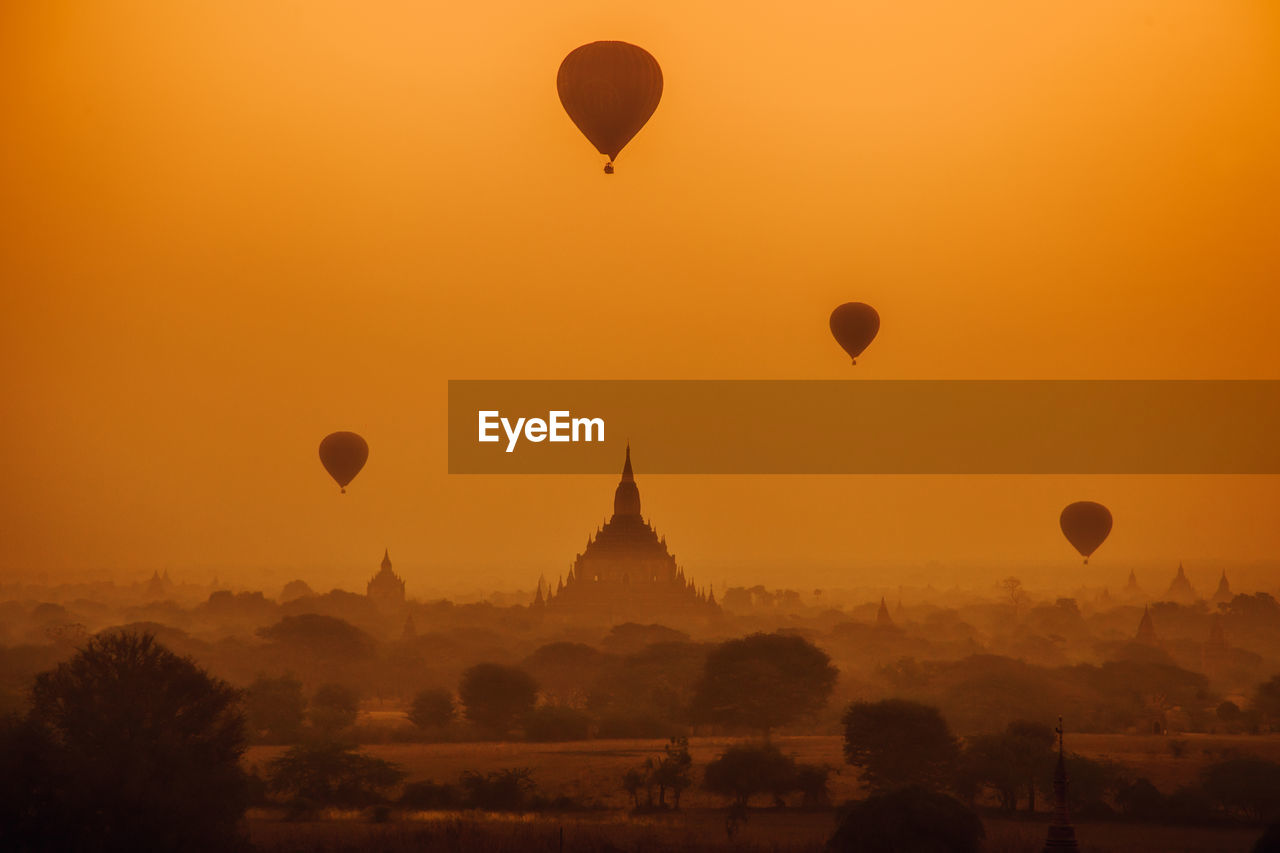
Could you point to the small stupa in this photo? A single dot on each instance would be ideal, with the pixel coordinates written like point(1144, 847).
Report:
point(1062, 835)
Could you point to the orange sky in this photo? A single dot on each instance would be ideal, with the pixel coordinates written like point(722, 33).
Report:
point(232, 227)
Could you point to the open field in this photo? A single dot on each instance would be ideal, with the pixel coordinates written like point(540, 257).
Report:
point(694, 830)
point(591, 771)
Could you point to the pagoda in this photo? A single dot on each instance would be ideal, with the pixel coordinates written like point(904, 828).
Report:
point(1180, 589)
point(1223, 593)
point(1062, 835)
point(883, 619)
point(626, 572)
point(386, 588)
point(1147, 630)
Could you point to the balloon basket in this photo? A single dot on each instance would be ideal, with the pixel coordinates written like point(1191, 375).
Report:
point(608, 168)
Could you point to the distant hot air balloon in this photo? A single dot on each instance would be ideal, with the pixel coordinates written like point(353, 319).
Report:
point(609, 89)
point(343, 454)
point(854, 325)
point(1086, 525)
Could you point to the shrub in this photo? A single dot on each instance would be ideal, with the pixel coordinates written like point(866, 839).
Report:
point(552, 723)
point(431, 708)
point(430, 796)
point(743, 772)
point(909, 819)
point(333, 774)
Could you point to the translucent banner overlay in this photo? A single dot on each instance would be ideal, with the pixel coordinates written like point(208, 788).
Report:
point(868, 427)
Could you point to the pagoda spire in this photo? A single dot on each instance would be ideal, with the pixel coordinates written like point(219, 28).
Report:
point(626, 498)
point(386, 559)
point(1062, 835)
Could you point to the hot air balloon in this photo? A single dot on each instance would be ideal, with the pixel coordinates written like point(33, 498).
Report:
point(854, 325)
point(609, 89)
point(1086, 525)
point(343, 454)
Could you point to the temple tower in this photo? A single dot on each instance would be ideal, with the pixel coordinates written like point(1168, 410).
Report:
point(1062, 835)
point(386, 588)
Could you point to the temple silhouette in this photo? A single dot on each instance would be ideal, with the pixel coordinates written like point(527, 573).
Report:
point(386, 588)
point(626, 572)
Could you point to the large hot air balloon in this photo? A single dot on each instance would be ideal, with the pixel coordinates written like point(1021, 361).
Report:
point(609, 89)
point(854, 325)
point(343, 454)
point(1086, 525)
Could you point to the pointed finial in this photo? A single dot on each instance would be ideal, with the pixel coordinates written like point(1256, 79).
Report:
point(386, 558)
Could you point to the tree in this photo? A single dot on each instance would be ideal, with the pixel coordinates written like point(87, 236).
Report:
point(275, 707)
point(673, 771)
point(334, 707)
point(565, 671)
point(496, 696)
point(1246, 786)
point(1012, 762)
point(763, 681)
point(1016, 594)
point(431, 708)
point(1266, 700)
point(747, 770)
point(909, 819)
point(898, 743)
point(133, 748)
point(634, 781)
point(332, 774)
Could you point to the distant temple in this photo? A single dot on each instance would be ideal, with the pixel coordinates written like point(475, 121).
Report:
point(626, 571)
point(386, 588)
point(1180, 589)
point(1062, 835)
point(883, 619)
point(159, 586)
point(1131, 589)
point(1147, 630)
point(1223, 594)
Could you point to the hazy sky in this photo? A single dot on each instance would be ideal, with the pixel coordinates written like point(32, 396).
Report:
point(233, 227)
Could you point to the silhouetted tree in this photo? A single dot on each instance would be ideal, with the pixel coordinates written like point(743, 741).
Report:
point(747, 770)
point(673, 771)
point(1141, 800)
point(508, 790)
point(1266, 700)
point(496, 696)
point(431, 708)
point(909, 820)
point(565, 671)
point(334, 707)
point(897, 743)
point(763, 681)
point(1012, 762)
point(130, 747)
point(275, 707)
point(332, 774)
point(1249, 787)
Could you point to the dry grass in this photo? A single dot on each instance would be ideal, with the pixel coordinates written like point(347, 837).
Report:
point(592, 770)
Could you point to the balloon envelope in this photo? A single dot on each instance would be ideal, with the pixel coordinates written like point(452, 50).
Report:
point(343, 454)
point(1086, 525)
point(854, 325)
point(609, 89)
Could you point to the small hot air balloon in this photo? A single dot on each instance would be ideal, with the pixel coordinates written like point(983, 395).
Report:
point(1086, 525)
point(609, 89)
point(343, 454)
point(854, 325)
